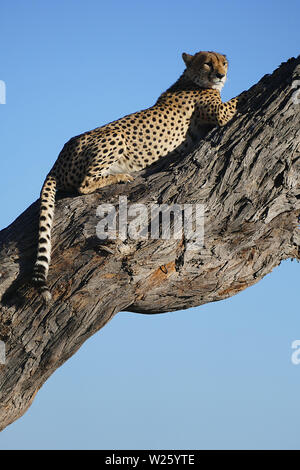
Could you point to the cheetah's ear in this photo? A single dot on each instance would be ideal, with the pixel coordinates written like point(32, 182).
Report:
point(187, 58)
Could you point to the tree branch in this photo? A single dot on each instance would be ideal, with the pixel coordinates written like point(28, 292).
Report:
point(247, 176)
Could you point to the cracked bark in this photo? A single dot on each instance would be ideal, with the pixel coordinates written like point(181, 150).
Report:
point(246, 174)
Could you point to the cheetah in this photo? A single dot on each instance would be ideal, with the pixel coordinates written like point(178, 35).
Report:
point(111, 153)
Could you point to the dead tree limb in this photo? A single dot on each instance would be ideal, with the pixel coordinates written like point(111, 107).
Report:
point(247, 176)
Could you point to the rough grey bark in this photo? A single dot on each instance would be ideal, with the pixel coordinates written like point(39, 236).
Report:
point(246, 174)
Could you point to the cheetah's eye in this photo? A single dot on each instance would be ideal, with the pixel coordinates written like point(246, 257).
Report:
point(208, 63)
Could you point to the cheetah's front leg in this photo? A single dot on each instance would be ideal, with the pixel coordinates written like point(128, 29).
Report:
point(90, 184)
point(213, 111)
point(226, 111)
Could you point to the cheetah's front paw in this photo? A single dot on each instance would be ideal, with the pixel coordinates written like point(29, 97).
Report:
point(125, 178)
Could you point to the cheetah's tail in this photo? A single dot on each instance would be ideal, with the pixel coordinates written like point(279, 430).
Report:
point(41, 267)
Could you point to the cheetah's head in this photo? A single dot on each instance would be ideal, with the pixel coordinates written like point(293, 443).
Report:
point(207, 69)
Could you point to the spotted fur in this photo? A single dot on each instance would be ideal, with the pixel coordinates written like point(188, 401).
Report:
point(110, 154)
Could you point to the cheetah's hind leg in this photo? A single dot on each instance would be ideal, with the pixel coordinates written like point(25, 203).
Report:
point(90, 184)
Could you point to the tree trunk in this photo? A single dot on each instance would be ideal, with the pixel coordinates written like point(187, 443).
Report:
point(245, 175)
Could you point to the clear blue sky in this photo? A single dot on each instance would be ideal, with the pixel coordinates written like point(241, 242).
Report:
point(217, 376)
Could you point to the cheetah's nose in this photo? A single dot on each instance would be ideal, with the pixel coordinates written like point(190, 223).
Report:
point(220, 75)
